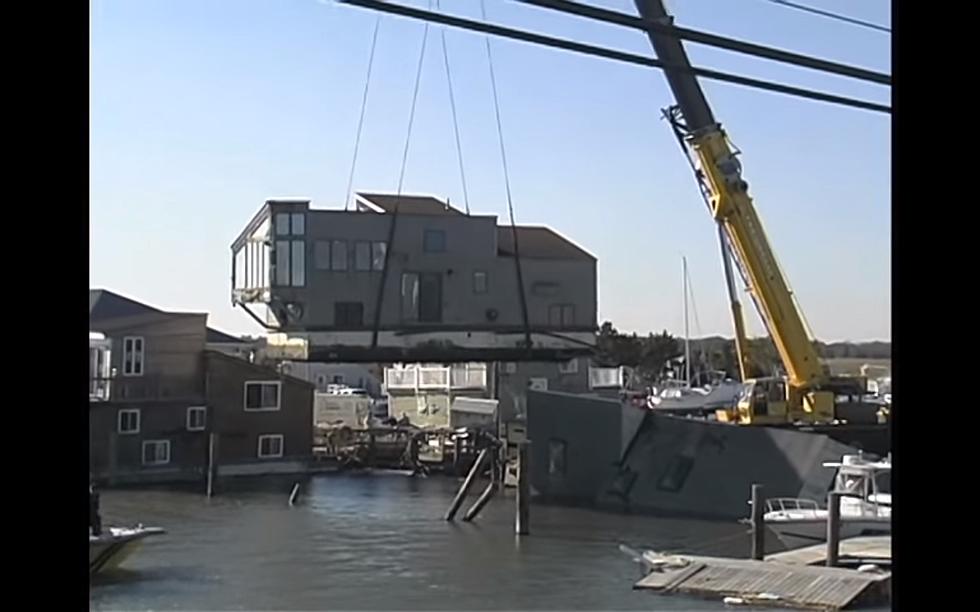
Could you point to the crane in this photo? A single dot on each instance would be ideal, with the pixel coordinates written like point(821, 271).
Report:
point(807, 392)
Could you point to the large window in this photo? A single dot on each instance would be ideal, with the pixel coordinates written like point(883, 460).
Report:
point(321, 254)
point(362, 256)
point(378, 250)
point(262, 395)
point(270, 446)
point(133, 356)
point(421, 295)
point(434, 241)
point(128, 421)
point(338, 255)
point(290, 263)
point(479, 282)
point(156, 452)
point(290, 224)
point(561, 315)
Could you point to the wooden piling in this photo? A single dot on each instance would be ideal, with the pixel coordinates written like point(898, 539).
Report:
point(457, 444)
point(464, 489)
point(211, 462)
point(833, 528)
point(522, 525)
point(481, 501)
point(293, 494)
point(758, 523)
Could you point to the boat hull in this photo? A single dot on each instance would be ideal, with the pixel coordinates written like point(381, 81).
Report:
point(799, 533)
point(114, 546)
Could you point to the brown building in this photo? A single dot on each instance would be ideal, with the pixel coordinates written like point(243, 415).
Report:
point(158, 394)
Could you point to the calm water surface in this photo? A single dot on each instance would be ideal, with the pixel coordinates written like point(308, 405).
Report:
point(379, 542)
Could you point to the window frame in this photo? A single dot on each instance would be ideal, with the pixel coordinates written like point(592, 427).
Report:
point(336, 261)
point(568, 367)
point(204, 422)
point(141, 354)
point(367, 259)
point(427, 247)
point(165, 443)
point(282, 446)
point(119, 421)
point(476, 287)
point(276, 383)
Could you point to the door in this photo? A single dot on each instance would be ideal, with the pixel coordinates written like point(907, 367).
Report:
point(430, 297)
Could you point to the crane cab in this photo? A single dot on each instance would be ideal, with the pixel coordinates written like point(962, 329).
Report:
point(762, 401)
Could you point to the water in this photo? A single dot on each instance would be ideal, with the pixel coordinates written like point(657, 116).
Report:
point(379, 542)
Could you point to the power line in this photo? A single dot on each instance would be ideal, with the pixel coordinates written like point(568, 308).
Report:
point(713, 40)
point(452, 106)
point(632, 58)
point(831, 15)
point(360, 122)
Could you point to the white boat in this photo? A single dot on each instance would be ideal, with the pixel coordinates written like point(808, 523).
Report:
point(720, 394)
point(865, 509)
point(114, 545)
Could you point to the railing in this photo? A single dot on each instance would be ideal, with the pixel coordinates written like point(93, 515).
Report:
point(99, 389)
point(791, 504)
point(472, 376)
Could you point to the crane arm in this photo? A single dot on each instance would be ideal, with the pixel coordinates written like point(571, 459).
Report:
point(733, 209)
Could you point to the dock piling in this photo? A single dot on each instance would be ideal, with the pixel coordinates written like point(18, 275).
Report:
point(758, 524)
point(522, 525)
point(210, 472)
point(293, 494)
point(464, 489)
point(833, 528)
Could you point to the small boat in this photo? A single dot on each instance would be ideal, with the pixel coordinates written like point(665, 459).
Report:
point(865, 509)
point(108, 547)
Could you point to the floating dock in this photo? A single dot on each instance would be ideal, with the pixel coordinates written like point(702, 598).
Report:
point(783, 584)
point(853, 551)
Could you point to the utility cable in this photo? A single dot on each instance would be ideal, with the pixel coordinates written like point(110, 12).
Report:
point(831, 15)
point(360, 122)
point(452, 106)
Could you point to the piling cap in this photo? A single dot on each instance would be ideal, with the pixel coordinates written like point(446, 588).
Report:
point(853, 460)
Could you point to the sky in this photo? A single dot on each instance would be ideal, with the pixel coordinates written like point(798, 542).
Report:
point(203, 109)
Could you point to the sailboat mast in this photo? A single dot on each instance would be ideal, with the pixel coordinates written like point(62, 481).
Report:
point(687, 332)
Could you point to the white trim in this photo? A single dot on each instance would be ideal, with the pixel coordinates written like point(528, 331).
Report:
point(190, 410)
point(262, 437)
point(277, 383)
point(568, 367)
point(119, 419)
point(166, 444)
point(141, 353)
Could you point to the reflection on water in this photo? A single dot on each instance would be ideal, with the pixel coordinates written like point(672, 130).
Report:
point(379, 542)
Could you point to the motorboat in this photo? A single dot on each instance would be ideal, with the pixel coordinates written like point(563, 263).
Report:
point(108, 547)
point(865, 505)
point(686, 399)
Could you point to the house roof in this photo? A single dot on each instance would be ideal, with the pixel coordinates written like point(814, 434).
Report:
point(538, 242)
point(407, 204)
point(104, 305)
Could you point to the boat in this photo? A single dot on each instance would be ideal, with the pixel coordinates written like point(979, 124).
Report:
point(865, 506)
point(108, 547)
point(704, 400)
point(114, 545)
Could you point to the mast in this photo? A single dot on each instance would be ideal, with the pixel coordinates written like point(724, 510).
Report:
point(687, 331)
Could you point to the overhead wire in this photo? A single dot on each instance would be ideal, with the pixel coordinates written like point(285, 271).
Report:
point(452, 106)
point(831, 15)
point(398, 195)
point(360, 121)
point(510, 201)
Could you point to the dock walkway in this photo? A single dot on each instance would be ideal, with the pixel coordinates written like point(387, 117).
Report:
point(869, 549)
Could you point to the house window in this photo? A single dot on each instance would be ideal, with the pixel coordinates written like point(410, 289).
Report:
point(321, 254)
point(362, 256)
point(290, 263)
point(290, 224)
point(479, 282)
point(262, 395)
point(270, 446)
point(348, 314)
point(410, 296)
point(156, 452)
point(132, 356)
point(538, 384)
point(196, 418)
point(561, 315)
point(129, 421)
point(556, 457)
point(510, 367)
point(568, 367)
point(338, 255)
point(434, 241)
point(378, 250)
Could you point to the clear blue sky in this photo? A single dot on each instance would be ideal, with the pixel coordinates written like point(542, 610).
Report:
point(201, 109)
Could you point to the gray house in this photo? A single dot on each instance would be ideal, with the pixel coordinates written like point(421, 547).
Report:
point(429, 283)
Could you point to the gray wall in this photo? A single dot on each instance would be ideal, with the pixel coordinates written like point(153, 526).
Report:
point(322, 374)
point(512, 388)
point(471, 245)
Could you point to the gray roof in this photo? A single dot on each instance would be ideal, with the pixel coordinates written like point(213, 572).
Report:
point(538, 242)
point(223, 338)
point(408, 204)
point(104, 305)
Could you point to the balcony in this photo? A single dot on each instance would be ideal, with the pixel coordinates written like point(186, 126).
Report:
point(99, 389)
point(606, 378)
point(445, 378)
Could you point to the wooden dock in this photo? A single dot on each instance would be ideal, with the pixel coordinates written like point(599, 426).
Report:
point(859, 550)
point(781, 584)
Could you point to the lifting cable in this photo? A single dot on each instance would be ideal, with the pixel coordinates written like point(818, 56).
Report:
point(452, 106)
point(510, 202)
point(360, 122)
point(398, 195)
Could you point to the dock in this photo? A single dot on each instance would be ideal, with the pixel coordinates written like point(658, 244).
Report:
point(783, 584)
point(859, 550)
